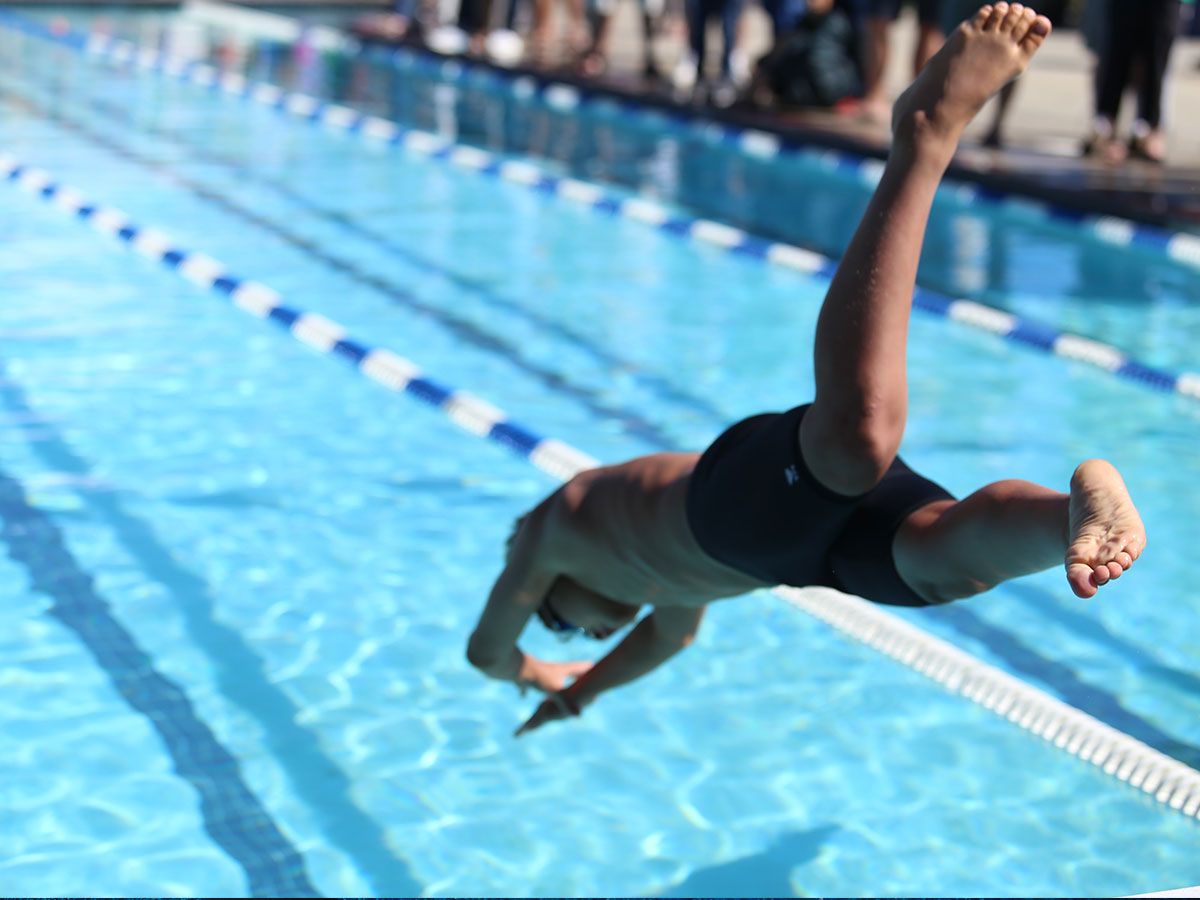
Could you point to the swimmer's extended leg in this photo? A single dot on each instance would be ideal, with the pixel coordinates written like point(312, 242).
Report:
point(851, 434)
point(949, 550)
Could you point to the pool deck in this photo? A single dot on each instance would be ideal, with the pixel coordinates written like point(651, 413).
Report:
point(1050, 114)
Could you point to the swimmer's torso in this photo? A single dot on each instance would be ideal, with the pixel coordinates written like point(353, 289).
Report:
point(627, 536)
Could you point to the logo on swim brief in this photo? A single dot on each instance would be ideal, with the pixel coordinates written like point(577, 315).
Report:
point(791, 475)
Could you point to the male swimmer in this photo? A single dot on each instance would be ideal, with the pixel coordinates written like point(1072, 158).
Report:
point(815, 495)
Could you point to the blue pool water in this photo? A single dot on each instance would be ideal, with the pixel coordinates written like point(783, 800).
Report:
point(238, 577)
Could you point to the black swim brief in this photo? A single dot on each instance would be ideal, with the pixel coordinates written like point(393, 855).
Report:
point(754, 505)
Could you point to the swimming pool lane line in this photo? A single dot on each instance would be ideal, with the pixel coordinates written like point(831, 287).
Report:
point(1008, 647)
point(663, 387)
point(633, 423)
point(1182, 247)
point(343, 119)
point(1169, 781)
point(388, 369)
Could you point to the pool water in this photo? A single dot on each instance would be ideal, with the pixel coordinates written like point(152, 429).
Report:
point(239, 577)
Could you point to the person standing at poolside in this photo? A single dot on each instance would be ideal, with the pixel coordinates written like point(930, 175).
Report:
point(880, 15)
point(1056, 12)
point(1138, 37)
point(815, 495)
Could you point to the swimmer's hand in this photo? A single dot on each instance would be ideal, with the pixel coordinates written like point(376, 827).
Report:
point(559, 705)
point(549, 677)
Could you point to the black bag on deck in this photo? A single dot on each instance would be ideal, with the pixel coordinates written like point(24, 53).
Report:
point(817, 64)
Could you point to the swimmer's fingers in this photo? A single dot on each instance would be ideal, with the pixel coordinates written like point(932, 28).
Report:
point(543, 714)
point(577, 668)
point(551, 677)
point(556, 706)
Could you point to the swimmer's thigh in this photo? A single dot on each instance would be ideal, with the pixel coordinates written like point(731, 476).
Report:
point(875, 556)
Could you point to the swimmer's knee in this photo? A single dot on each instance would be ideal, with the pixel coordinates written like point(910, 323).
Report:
point(929, 561)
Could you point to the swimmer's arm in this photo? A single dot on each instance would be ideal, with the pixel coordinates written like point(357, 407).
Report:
point(653, 641)
point(517, 593)
point(492, 647)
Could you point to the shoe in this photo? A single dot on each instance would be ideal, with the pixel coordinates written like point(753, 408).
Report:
point(725, 94)
point(684, 77)
point(739, 67)
point(1148, 148)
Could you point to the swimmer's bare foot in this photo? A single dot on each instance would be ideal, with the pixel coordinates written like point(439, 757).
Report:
point(981, 56)
point(1106, 532)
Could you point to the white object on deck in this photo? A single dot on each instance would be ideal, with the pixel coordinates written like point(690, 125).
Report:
point(265, 25)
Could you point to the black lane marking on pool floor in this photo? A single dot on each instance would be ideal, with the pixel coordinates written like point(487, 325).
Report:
point(1007, 646)
point(232, 814)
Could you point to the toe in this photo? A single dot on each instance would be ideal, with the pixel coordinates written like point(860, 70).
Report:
point(1021, 29)
point(1079, 577)
point(981, 17)
point(1100, 575)
point(1115, 570)
point(1039, 30)
point(999, 11)
point(1124, 559)
point(1012, 18)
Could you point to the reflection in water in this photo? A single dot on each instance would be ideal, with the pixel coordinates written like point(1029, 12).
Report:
point(765, 874)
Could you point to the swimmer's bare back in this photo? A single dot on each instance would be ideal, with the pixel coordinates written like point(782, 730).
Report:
point(622, 531)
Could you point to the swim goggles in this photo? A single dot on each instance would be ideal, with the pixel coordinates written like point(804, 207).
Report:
point(562, 629)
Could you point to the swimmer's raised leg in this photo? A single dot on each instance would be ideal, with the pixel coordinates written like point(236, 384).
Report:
point(949, 550)
point(850, 435)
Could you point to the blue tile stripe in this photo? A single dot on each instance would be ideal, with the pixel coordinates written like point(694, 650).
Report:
point(1183, 247)
point(1026, 332)
point(232, 815)
point(1169, 781)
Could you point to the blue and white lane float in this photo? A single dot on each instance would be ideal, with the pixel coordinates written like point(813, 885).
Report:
point(346, 120)
point(1168, 781)
point(1182, 247)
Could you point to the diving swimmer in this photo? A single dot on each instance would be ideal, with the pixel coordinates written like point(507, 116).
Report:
point(815, 495)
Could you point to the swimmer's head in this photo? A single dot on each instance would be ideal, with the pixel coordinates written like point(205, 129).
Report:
point(570, 609)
